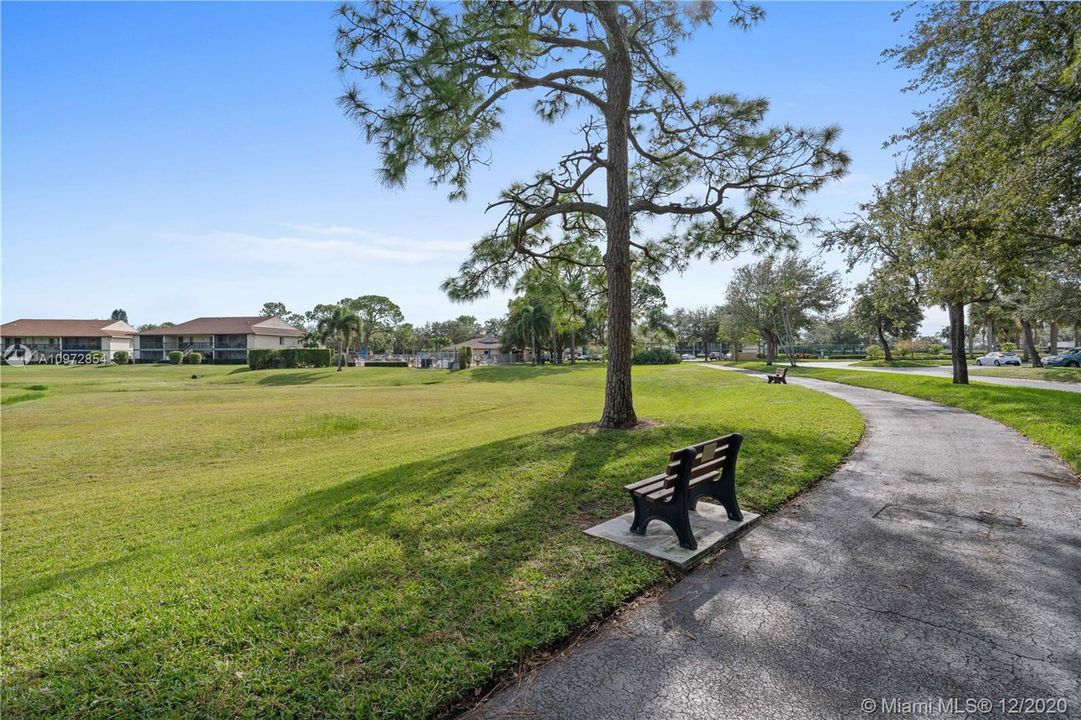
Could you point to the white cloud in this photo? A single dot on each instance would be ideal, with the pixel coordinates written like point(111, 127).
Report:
point(323, 246)
point(341, 231)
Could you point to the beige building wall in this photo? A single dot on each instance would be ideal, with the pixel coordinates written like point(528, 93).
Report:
point(109, 345)
point(271, 342)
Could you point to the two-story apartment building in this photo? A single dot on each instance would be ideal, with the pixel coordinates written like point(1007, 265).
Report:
point(48, 340)
point(218, 339)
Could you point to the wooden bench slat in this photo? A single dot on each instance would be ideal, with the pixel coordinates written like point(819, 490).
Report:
point(667, 492)
point(648, 480)
point(717, 459)
point(673, 460)
point(710, 460)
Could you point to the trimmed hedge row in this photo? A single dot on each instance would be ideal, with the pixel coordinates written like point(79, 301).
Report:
point(288, 358)
point(386, 363)
point(656, 356)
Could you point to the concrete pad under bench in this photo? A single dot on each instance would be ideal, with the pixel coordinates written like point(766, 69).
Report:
point(710, 524)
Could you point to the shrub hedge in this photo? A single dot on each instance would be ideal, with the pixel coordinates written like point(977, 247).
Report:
point(121, 357)
point(194, 358)
point(288, 358)
point(656, 356)
point(175, 357)
point(386, 363)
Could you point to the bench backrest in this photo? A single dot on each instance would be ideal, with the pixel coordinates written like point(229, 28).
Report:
point(782, 372)
point(716, 455)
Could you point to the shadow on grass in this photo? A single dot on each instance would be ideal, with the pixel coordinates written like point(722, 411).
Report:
point(288, 377)
point(513, 373)
point(401, 590)
point(15, 591)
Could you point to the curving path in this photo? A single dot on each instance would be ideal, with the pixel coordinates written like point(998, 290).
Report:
point(975, 374)
point(942, 560)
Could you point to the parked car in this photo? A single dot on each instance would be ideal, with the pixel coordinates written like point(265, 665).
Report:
point(686, 356)
point(1069, 358)
point(714, 356)
point(999, 358)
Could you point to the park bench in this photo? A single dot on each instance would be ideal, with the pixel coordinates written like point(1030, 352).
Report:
point(708, 468)
point(778, 377)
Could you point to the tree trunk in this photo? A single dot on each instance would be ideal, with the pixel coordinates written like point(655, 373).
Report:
point(970, 333)
point(957, 343)
point(885, 344)
point(557, 352)
point(771, 350)
point(339, 356)
point(574, 346)
point(989, 330)
point(1052, 340)
point(1030, 343)
point(618, 400)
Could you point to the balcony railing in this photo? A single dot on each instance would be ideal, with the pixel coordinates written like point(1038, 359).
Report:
point(37, 347)
point(185, 346)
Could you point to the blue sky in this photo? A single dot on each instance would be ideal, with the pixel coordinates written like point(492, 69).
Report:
point(186, 159)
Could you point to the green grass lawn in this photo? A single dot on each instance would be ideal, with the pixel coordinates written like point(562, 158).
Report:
point(897, 363)
point(1050, 417)
point(376, 542)
point(1055, 374)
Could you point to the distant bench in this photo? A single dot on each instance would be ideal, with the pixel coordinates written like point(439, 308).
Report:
point(708, 468)
point(778, 377)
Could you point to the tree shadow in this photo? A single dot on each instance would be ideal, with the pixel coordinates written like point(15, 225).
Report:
point(22, 589)
point(292, 378)
point(429, 579)
point(514, 373)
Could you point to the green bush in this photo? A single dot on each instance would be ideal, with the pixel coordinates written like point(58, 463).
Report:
point(465, 357)
point(288, 358)
point(874, 352)
point(386, 363)
point(1007, 347)
point(656, 356)
point(194, 358)
point(121, 357)
point(175, 357)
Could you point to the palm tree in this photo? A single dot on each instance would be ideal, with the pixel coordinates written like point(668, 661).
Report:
point(533, 319)
point(342, 325)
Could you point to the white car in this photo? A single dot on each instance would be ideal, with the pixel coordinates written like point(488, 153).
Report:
point(686, 356)
point(999, 358)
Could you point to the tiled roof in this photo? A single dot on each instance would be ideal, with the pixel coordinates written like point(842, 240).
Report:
point(256, 325)
point(66, 328)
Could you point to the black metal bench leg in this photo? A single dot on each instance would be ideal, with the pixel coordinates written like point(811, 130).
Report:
point(682, 525)
point(641, 516)
point(727, 496)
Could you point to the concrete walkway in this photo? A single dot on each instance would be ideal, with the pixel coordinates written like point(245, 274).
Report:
point(942, 560)
point(975, 374)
